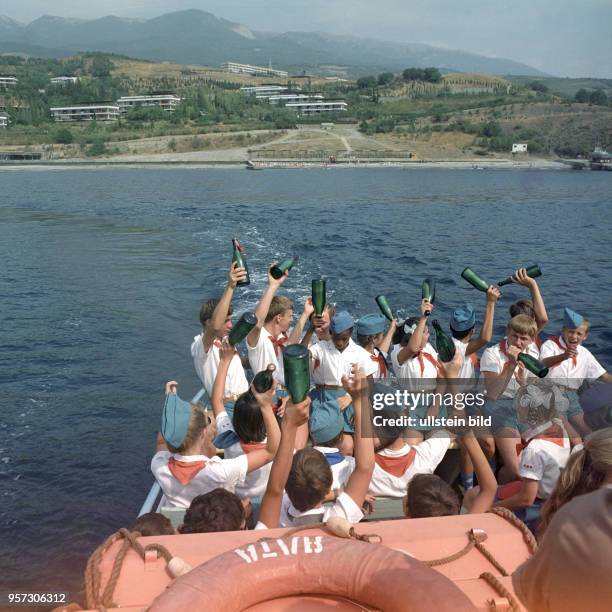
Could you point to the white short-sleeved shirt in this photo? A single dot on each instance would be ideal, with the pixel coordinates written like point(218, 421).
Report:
point(207, 364)
point(543, 460)
point(467, 369)
point(255, 482)
point(329, 365)
point(263, 354)
point(566, 373)
point(344, 506)
point(342, 470)
point(426, 457)
point(418, 367)
point(216, 474)
point(380, 359)
point(494, 360)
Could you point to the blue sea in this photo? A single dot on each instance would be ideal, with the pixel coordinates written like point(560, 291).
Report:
point(104, 271)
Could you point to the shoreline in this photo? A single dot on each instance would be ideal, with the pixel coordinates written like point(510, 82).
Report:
point(536, 164)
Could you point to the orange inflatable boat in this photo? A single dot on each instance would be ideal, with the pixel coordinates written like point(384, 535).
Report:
point(447, 563)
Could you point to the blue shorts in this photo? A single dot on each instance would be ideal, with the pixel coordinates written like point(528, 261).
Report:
point(503, 415)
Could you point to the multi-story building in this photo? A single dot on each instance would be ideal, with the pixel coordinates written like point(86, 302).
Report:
point(263, 91)
point(8, 81)
point(64, 80)
point(167, 102)
point(317, 106)
point(254, 70)
point(294, 97)
point(89, 112)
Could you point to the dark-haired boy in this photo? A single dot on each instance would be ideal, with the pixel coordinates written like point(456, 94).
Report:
point(308, 479)
point(216, 320)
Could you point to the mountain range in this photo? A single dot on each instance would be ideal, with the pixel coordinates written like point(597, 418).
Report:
point(197, 37)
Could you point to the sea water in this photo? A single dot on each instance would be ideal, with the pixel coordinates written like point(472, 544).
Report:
point(104, 271)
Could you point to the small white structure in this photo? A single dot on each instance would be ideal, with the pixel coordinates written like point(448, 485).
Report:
point(64, 80)
point(318, 106)
point(327, 126)
point(89, 112)
point(263, 91)
point(293, 97)
point(254, 70)
point(519, 148)
point(4, 120)
point(167, 102)
point(8, 81)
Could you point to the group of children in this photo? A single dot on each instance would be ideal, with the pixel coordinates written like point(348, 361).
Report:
point(287, 464)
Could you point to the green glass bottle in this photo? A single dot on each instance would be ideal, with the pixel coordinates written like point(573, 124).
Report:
point(241, 330)
point(381, 300)
point(263, 380)
point(475, 280)
point(318, 295)
point(428, 292)
point(296, 360)
point(240, 259)
point(535, 366)
point(444, 343)
point(532, 271)
point(280, 268)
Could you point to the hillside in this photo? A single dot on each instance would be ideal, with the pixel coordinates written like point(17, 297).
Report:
point(198, 37)
point(565, 87)
point(456, 116)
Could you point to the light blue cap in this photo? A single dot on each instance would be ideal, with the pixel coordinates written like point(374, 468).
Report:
point(175, 420)
point(463, 318)
point(371, 324)
point(572, 319)
point(340, 322)
point(326, 421)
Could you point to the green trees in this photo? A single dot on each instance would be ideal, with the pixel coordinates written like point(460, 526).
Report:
point(367, 82)
point(582, 96)
point(538, 86)
point(64, 136)
point(431, 75)
point(385, 78)
point(598, 97)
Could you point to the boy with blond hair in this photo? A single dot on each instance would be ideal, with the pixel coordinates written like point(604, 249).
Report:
point(504, 375)
point(571, 364)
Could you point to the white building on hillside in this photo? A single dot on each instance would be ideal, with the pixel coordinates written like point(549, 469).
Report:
point(263, 91)
point(64, 80)
point(167, 102)
point(294, 97)
point(254, 70)
point(8, 81)
point(519, 148)
point(4, 120)
point(318, 106)
point(89, 112)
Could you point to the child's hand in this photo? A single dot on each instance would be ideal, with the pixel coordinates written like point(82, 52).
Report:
point(513, 352)
point(426, 307)
point(236, 275)
point(226, 351)
point(276, 282)
point(279, 409)
point(356, 384)
point(522, 278)
point(170, 387)
point(493, 294)
point(369, 504)
point(308, 307)
point(453, 367)
point(265, 399)
point(570, 352)
point(297, 414)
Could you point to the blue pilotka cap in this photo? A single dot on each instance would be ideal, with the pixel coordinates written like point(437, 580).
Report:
point(371, 324)
point(572, 319)
point(340, 322)
point(175, 420)
point(326, 422)
point(463, 318)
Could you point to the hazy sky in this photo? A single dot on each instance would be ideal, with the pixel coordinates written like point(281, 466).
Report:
point(562, 37)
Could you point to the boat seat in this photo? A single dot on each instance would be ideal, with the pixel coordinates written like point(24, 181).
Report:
point(387, 508)
point(176, 515)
